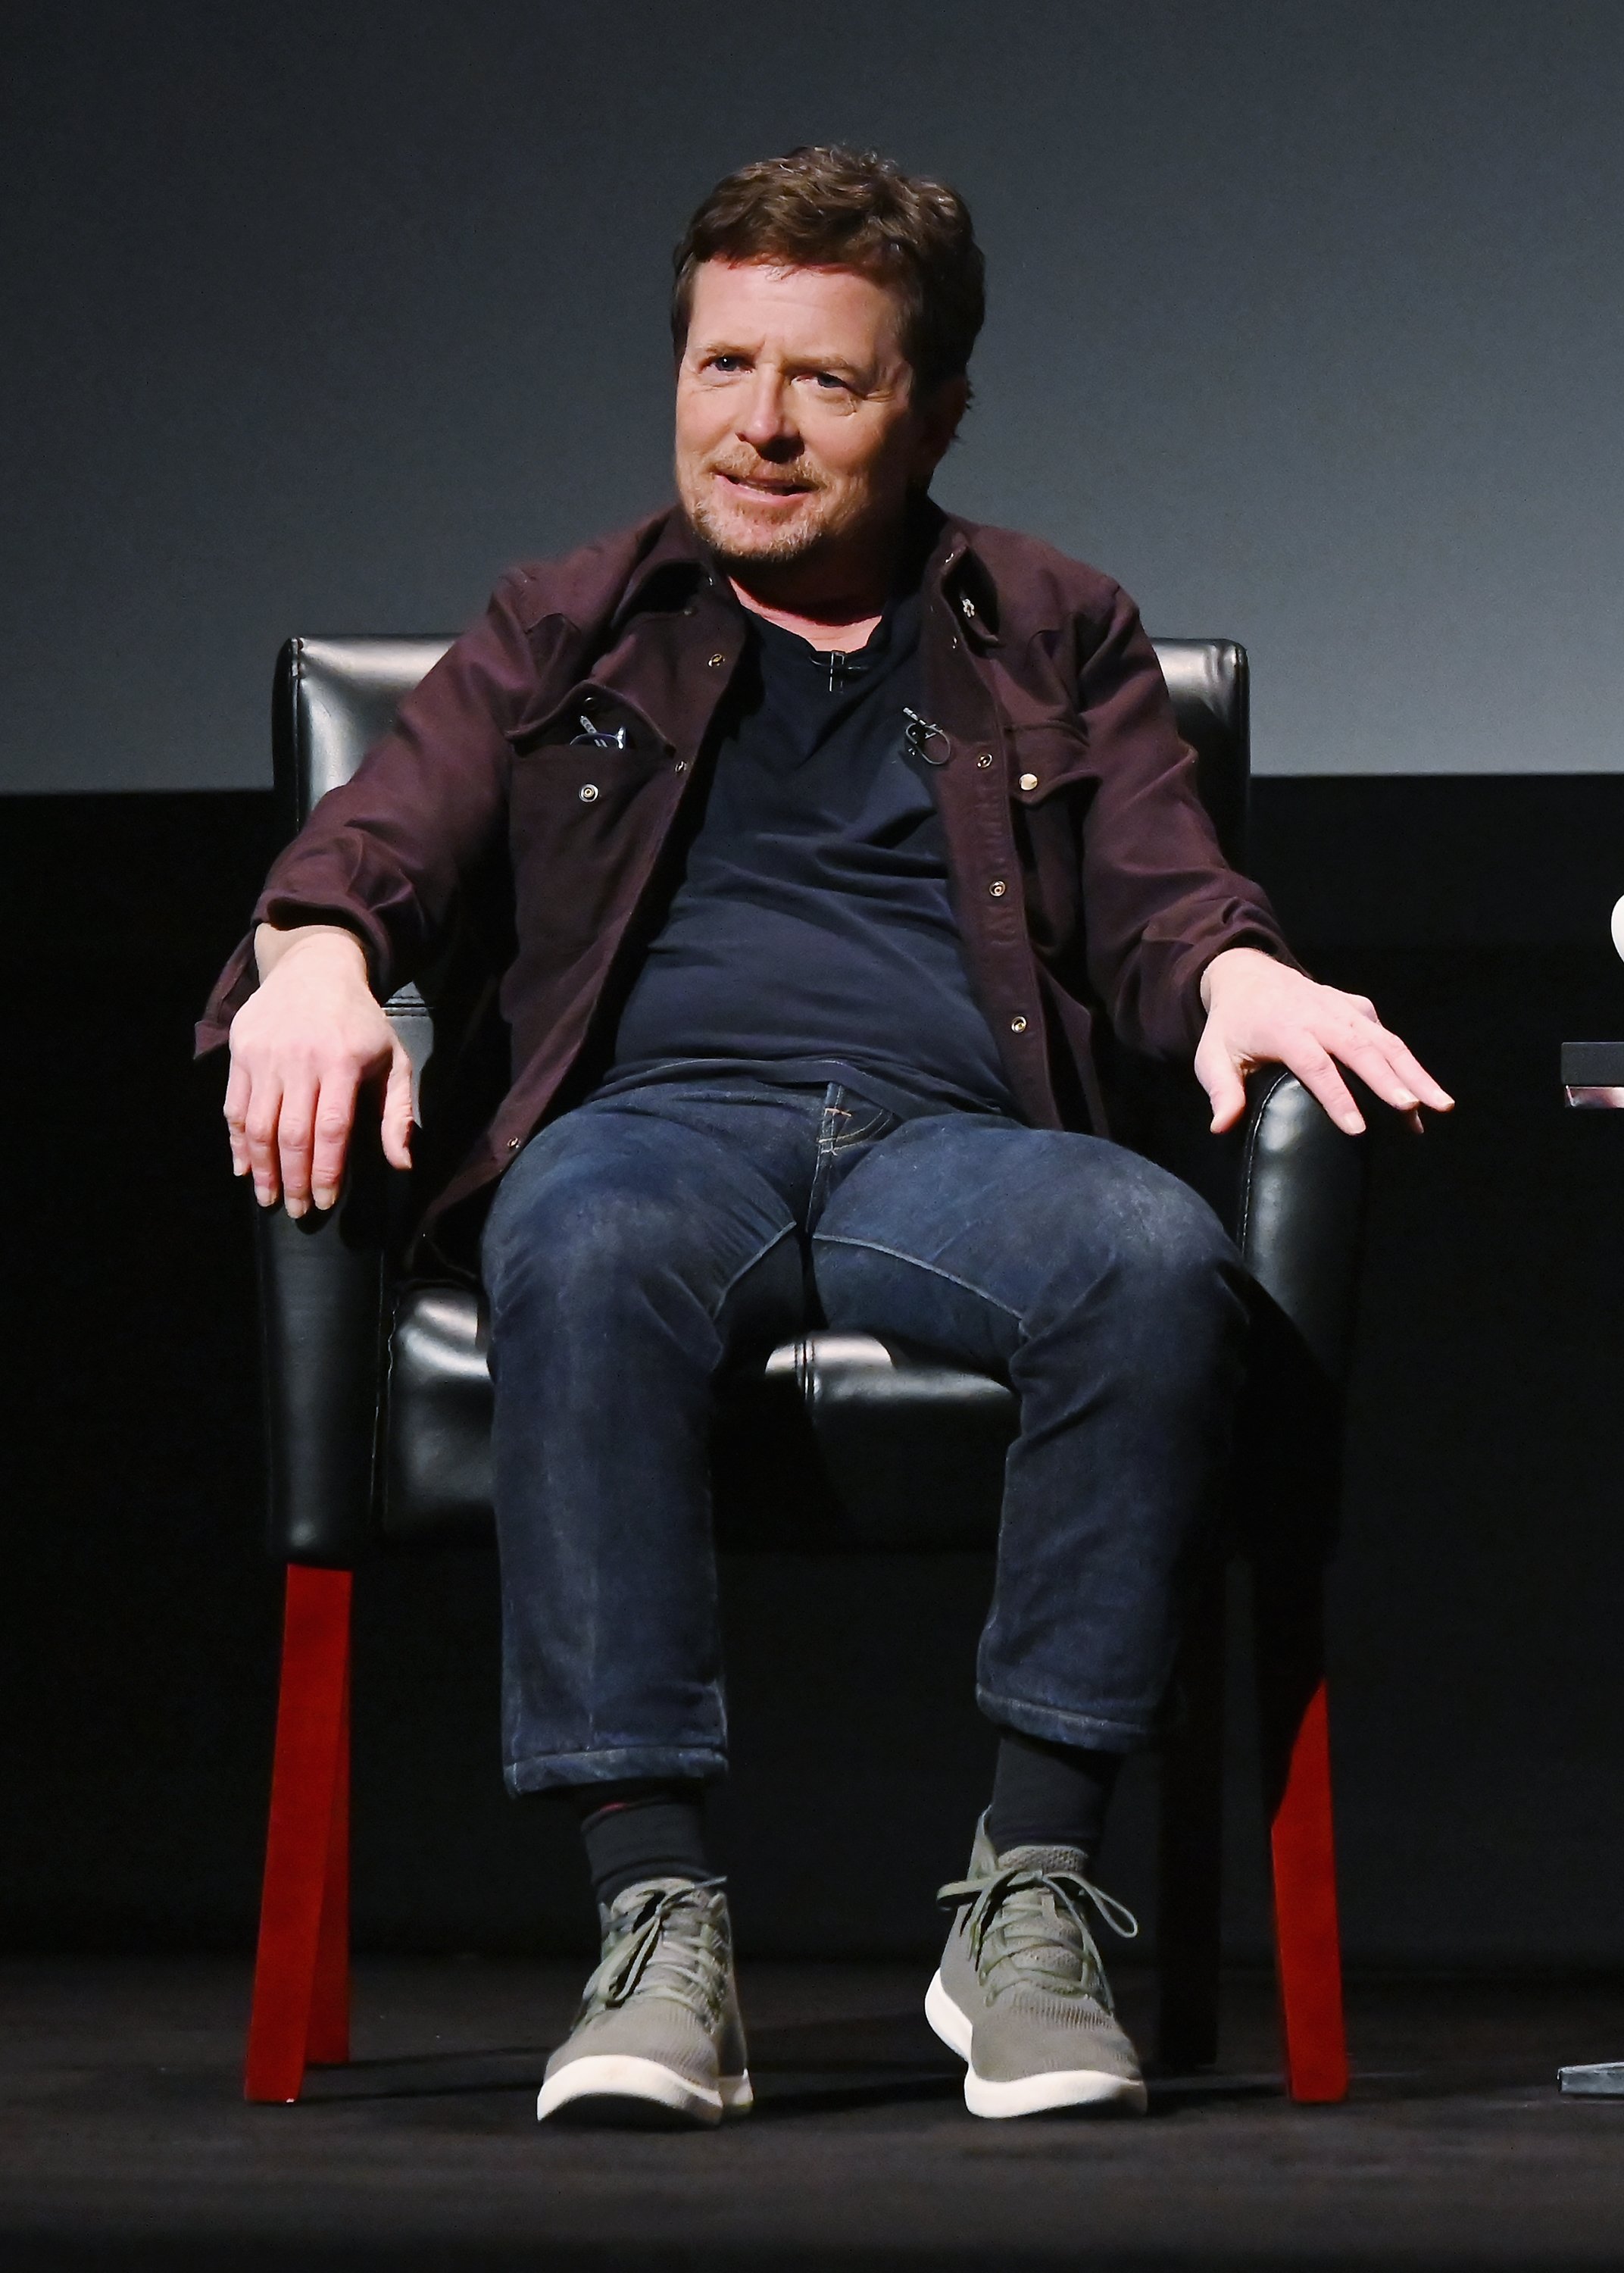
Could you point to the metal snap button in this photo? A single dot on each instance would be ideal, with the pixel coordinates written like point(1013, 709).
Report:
point(681, 766)
point(717, 660)
point(514, 1143)
point(1017, 1026)
point(1029, 781)
point(985, 760)
point(997, 889)
point(588, 791)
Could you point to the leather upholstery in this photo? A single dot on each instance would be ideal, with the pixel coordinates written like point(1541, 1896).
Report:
point(332, 699)
point(321, 1296)
point(437, 1437)
point(1298, 1215)
point(1210, 685)
point(379, 1427)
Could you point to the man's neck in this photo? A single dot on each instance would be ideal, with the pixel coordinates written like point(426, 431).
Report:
point(837, 628)
point(834, 605)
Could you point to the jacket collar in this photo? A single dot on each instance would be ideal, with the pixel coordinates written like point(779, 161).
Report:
point(670, 568)
point(958, 572)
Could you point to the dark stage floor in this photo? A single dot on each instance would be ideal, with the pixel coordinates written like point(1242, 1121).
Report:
point(123, 2141)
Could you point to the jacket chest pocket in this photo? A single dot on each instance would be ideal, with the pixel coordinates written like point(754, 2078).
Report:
point(586, 765)
point(593, 792)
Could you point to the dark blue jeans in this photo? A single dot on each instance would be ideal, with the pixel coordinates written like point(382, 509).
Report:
point(642, 1242)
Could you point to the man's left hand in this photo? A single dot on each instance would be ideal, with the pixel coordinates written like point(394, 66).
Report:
point(1261, 1012)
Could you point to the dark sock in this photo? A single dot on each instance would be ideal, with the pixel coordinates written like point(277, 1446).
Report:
point(1047, 1795)
point(636, 1831)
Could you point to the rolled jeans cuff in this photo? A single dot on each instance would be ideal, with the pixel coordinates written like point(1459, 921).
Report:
point(1095, 1732)
point(566, 1771)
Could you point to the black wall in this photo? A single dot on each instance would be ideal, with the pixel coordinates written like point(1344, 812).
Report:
point(1478, 1721)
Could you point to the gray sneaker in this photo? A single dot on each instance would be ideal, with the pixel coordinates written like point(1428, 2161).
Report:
point(1020, 1994)
point(658, 2037)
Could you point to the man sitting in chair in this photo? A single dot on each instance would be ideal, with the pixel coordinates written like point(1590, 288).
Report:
point(827, 826)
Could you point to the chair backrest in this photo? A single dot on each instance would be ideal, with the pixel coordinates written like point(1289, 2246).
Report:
point(332, 699)
point(335, 697)
point(1210, 685)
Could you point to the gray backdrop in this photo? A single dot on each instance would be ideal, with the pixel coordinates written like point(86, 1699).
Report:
point(1307, 323)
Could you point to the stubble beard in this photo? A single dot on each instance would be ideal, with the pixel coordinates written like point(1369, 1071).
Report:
point(735, 545)
point(837, 518)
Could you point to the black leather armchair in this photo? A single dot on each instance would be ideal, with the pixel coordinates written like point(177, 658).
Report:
point(378, 1415)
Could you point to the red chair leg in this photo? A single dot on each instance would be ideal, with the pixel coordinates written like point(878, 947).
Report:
point(300, 1991)
point(1306, 1935)
point(1296, 1760)
point(329, 2034)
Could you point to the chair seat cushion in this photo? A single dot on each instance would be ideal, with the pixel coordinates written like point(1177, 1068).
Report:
point(834, 1442)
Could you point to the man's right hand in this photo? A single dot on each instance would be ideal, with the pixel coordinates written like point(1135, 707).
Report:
point(302, 1047)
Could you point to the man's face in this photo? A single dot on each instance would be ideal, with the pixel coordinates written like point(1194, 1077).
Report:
point(798, 434)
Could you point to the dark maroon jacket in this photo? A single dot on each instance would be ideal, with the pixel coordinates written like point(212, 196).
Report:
point(1085, 873)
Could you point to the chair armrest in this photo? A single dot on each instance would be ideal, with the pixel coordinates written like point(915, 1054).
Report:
point(1300, 1214)
point(1299, 1221)
point(1593, 1074)
point(322, 1283)
point(321, 1309)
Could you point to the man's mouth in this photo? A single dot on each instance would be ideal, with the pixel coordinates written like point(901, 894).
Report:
point(757, 485)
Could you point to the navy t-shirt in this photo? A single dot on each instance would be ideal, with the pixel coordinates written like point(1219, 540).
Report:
point(812, 939)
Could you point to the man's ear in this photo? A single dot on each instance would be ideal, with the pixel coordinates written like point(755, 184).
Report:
point(940, 414)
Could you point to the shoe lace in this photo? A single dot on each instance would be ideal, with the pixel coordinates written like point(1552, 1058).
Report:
point(1018, 1922)
point(665, 1944)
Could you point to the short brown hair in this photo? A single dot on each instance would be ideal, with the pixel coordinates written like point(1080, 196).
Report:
point(826, 207)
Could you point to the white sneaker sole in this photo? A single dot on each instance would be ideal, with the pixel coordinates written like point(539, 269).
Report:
point(1027, 2095)
point(640, 2084)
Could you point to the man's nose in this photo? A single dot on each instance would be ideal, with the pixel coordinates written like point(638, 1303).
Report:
point(766, 423)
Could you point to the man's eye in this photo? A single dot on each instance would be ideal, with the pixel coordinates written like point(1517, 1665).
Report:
point(829, 382)
point(727, 362)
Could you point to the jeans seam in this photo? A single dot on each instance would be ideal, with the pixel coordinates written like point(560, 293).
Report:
point(709, 1744)
point(744, 1268)
point(1135, 1731)
point(873, 1133)
point(879, 1246)
point(713, 1751)
point(833, 1110)
point(830, 1141)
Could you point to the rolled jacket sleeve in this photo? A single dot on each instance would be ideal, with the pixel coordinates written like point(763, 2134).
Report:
point(1161, 900)
point(387, 853)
